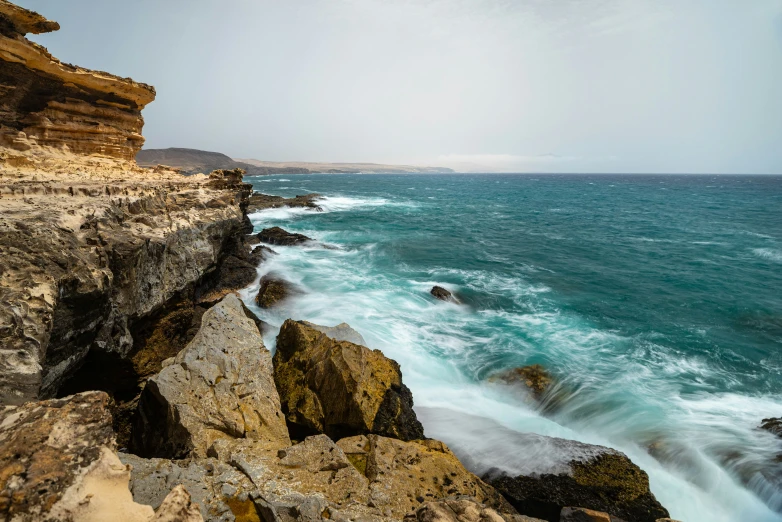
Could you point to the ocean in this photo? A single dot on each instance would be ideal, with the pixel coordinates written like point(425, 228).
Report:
point(655, 301)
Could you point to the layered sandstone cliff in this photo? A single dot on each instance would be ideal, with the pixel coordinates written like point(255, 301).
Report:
point(46, 104)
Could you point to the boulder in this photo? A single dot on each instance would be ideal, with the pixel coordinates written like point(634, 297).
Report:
point(541, 475)
point(576, 514)
point(341, 332)
point(219, 386)
point(461, 509)
point(442, 294)
point(340, 388)
point(404, 475)
point(278, 236)
point(272, 291)
point(57, 463)
point(534, 378)
point(603, 481)
point(772, 425)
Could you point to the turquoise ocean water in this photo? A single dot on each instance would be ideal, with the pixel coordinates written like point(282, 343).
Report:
point(656, 301)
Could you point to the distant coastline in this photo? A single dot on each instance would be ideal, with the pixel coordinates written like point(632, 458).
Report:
point(194, 161)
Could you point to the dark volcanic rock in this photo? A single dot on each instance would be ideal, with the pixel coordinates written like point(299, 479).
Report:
point(263, 201)
point(279, 236)
point(340, 388)
point(272, 291)
point(608, 482)
point(442, 294)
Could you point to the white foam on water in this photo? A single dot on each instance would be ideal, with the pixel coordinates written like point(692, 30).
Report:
point(621, 398)
point(769, 254)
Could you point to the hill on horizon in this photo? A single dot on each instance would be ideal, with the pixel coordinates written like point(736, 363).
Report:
point(194, 161)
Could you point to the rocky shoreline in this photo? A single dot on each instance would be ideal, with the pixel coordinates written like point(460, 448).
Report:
point(135, 385)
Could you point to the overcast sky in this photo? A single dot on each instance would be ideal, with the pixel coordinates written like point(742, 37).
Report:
point(502, 85)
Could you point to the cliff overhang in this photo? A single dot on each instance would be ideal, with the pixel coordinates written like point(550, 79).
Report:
point(47, 105)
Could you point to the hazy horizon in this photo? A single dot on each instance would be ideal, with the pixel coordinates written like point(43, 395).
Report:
point(610, 86)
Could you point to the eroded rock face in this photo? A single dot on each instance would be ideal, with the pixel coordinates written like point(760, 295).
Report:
point(57, 463)
point(219, 386)
point(50, 104)
point(279, 236)
point(340, 388)
point(88, 254)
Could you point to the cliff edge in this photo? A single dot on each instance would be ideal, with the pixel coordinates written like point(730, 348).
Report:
point(47, 104)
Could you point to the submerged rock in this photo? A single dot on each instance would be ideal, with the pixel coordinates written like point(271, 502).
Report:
point(260, 201)
point(442, 294)
point(772, 425)
point(219, 386)
point(341, 332)
point(340, 388)
point(279, 236)
point(534, 378)
point(272, 291)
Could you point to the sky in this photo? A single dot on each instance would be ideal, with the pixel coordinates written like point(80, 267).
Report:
point(631, 86)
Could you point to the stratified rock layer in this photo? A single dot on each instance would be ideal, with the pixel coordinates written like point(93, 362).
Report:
point(340, 388)
point(219, 386)
point(47, 104)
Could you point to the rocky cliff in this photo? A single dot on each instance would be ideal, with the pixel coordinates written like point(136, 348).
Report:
point(96, 251)
point(46, 104)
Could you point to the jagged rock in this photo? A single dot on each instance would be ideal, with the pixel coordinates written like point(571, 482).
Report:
point(442, 294)
point(461, 509)
point(604, 481)
point(340, 388)
point(404, 475)
point(219, 386)
point(57, 463)
point(178, 507)
point(272, 291)
point(279, 236)
point(218, 489)
point(576, 514)
point(56, 105)
point(772, 425)
point(534, 378)
point(260, 202)
point(341, 332)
